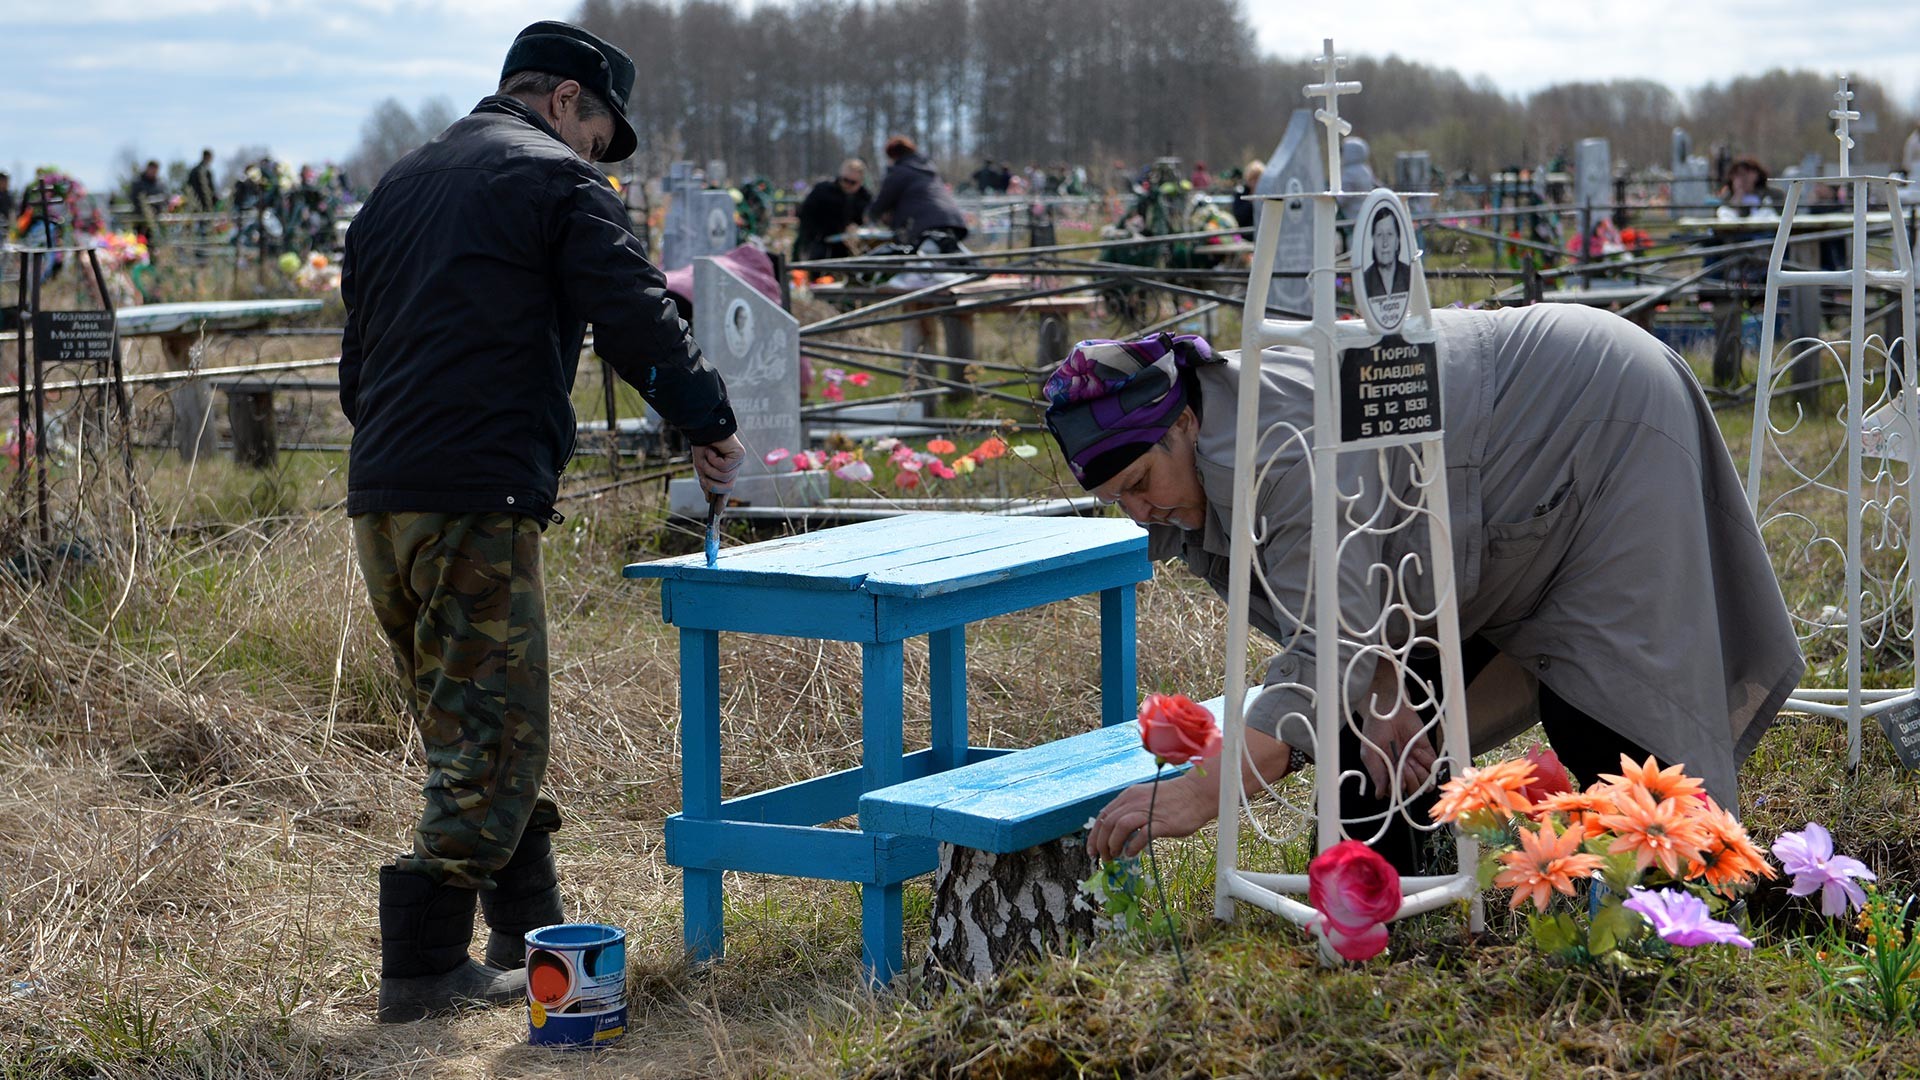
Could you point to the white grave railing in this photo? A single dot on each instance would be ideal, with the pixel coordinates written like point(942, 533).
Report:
point(1386, 495)
point(1856, 586)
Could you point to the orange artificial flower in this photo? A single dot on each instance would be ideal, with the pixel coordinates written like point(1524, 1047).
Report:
point(1669, 783)
point(941, 446)
point(1582, 809)
point(1728, 858)
point(1546, 862)
point(1496, 787)
point(992, 448)
point(1663, 831)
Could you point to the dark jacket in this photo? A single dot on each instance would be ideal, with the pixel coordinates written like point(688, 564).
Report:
point(469, 276)
point(828, 211)
point(201, 190)
point(917, 199)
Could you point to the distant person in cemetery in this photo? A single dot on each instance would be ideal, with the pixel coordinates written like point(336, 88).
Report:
point(469, 278)
point(1200, 178)
point(1736, 280)
point(149, 196)
point(1612, 585)
point(1243, 204)
point(831, 208)
point(1746, 189)
point(986, 178)
point(915, 202)
point(203, 195)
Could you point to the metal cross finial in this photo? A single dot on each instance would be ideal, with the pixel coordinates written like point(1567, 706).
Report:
point(1329, 114)
point(1843, 113)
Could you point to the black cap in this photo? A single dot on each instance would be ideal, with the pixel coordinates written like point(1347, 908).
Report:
point(559, 48)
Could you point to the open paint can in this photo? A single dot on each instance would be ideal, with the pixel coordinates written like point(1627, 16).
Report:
point(576, 985)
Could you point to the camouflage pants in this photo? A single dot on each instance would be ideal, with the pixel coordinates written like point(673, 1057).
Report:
point(460, 599)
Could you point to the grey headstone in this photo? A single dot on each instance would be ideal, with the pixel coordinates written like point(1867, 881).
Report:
point(1593, 174)
point(717, 172)
point(1688, 195)
point(716, 229)
point(678, 245)
point(755, 345)
point(1682, 150)
point(1813, 165)
point(1298, 166)
point(1413, 171)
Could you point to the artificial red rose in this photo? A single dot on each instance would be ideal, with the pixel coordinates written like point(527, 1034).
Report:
point(1354, 888)
point(1176, 730)
point(1549, 776)
point(1364, 945)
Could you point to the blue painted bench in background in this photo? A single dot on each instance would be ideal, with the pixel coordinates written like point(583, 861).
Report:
point(876, 583)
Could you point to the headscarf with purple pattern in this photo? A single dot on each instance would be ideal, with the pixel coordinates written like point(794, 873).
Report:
point(1110, 401)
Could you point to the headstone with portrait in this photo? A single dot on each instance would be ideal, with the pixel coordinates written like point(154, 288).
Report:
point(1296, 168)
point(1593, 175)
point(755, 345)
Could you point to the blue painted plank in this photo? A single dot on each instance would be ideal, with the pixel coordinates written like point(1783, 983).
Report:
point(911, 808)
point(837, 558)
point(820, 799)
point(951, 568)
point(757, 609)
point(798, 851)
point(911, 616)
point(1119, 683)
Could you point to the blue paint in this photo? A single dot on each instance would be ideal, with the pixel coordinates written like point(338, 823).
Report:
point(576, 985)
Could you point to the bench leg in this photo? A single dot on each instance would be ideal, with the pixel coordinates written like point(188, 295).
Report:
point(700, 894)
point(883, 932)
point(947, 668)
point(882, 690)
point(1119, 681)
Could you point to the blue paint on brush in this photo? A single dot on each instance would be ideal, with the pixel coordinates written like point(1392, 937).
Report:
point(713, 543)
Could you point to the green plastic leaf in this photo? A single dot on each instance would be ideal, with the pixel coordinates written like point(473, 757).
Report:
point(1554, 934)
point(1612, 927)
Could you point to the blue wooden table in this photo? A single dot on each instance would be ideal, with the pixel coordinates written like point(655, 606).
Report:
point(877, 583)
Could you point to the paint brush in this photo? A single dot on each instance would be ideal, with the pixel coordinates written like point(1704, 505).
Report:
point(715, 501)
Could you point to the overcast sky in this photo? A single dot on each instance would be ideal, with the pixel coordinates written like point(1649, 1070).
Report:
point(86, 78)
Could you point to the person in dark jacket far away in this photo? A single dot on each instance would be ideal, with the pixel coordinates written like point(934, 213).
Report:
point(829, 210)
point(915, 201)
point(468, 278)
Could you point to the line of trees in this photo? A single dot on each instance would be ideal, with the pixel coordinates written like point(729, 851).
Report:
point(787, 90)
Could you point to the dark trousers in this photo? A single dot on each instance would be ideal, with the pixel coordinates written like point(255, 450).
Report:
point(1585, 746)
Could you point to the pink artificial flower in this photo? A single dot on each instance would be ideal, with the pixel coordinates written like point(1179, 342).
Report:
point(839, 458)
point(1681, 918)
point(1176, 730)
point(1808, 856)
point(939, 468)
point(775, 457)
point(1356, 892)
point(906, 479)
point(1549, 775)
point(832, 392)
point(855, 472)
point(859, 378)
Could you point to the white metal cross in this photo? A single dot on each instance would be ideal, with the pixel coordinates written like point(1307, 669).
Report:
point(1329, 114)
point(1843, 113)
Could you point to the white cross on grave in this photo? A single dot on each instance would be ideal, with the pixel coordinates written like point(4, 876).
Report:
point(1840, 131)
point(1329, 114)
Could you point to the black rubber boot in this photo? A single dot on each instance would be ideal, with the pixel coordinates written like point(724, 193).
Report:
point(525, 896)
point(425, 929)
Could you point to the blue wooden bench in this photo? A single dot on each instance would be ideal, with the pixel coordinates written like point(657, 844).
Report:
point(877, 584)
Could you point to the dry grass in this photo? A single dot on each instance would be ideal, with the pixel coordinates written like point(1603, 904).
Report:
point(205, 758)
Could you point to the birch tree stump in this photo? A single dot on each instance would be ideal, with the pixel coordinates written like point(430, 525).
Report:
point(991, 911)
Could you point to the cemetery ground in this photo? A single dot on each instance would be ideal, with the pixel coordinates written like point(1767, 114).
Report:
point(202, 763)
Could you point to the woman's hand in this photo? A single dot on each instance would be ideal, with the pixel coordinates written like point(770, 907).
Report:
point(1181, 808)
point(1392, 733)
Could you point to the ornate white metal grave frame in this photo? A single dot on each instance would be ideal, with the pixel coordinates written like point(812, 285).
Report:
point(1418, 592)
point(1881, 517)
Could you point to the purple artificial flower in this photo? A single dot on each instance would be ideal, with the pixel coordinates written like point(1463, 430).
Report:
point(1681, 918)
point(1808, 856)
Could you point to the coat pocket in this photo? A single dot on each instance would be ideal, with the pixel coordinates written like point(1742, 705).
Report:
point(1523, 539)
